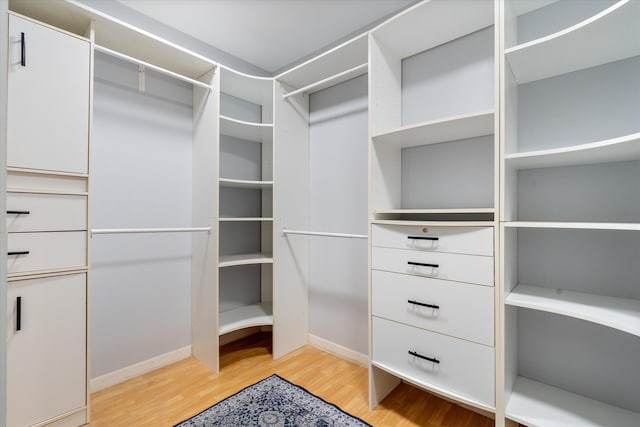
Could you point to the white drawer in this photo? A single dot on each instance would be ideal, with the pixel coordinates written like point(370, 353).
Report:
point(460, 240)
point(46, 212)
point(458, 267)
point(464, 369)
point(46, 251)
point(463, 310)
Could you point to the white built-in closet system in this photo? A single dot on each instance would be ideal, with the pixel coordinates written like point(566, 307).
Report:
point(503, 218)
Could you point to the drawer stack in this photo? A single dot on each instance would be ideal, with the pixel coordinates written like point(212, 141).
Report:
point(432, 306)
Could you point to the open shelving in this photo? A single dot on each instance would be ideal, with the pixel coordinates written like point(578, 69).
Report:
point(257, 132)
point(245, 183)
point(246, 317)
point(245, 259)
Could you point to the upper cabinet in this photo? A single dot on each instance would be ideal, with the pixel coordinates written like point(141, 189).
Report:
point(48, 111)
point(432, 111)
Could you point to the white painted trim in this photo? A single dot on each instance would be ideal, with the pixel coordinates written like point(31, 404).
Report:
point(340, 351)
point(132, 371)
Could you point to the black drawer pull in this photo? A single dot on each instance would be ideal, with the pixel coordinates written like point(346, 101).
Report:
point(430, 359)
point(23, 50)
point(18, 253)
point(423, 238)
point(18, 313)
point(422, 304)
point(18, 212)
point(422, 264)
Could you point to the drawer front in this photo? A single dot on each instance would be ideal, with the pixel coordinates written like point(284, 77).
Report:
point(457, 267)
point(463, 310)
point(46, 251)
point(459, 240)
point(46, 212)
point(465, 369)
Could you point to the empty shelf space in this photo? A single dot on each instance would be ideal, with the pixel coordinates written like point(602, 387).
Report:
point(257, 132)
point(239, 219)
point(575, 225)
point(611, 35)
point(619, 149)
point(441, 130)
point(246, 317)
point(245, 259)
point(471, 214)
point(536, 404)
point(247, 184)
point(254, 89)
point(619, 313)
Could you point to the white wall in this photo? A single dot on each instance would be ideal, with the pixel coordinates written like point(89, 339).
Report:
point(140, 177)
point(338, 203)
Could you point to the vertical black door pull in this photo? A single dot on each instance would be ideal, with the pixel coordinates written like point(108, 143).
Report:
point(18, 313)
point(23, 51)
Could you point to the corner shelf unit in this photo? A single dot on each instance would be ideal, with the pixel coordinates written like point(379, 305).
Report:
point(571, 212)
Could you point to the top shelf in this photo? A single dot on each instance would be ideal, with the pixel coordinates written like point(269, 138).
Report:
point(441, 130)
point(257, 90)
point(611, 35)
point(432, 23)
point(346, 56)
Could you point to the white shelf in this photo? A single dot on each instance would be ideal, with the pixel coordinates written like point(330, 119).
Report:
point(619, 149)
point(241, 219)
point(257, 132)
point(618, 313)
point(537, 405)
point(247, 184)
point(609, 36)
point(430, 24)
point(632, 226)
point(343, 57)
point(441, 130)
point(255, 89)
point(246, 317)
point(435, 211)
point(245, 259)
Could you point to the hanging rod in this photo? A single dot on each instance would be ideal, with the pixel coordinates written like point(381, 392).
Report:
point(322, 233)
point(328, 79)
point(148, 230)
point(151, 66)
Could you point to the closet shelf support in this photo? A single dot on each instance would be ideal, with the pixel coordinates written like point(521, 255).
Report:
point(325, 234)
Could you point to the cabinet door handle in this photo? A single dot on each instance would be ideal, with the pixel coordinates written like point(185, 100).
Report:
point(430, 359)
point(423, 238)
point(422, 304)
point(18, 313)
point(23, 50)
point(18, 212)
point(423, 264)
point(18, 253)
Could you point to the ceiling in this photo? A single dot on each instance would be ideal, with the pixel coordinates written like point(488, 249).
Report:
point(271, 34)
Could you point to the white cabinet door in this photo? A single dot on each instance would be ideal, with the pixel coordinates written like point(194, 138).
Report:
point(48, 115)
point(46, 354)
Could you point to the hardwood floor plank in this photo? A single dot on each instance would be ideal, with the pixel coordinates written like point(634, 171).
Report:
point(176, 392)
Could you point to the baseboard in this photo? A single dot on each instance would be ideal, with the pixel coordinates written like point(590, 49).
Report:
point(338, 350)
point(132, 371)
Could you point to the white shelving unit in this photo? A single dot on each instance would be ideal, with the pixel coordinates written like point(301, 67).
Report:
point(245, 259)
point(568, 263)
point(249, 316)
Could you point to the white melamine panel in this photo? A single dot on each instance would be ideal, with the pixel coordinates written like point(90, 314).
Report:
point(575, 225)
point(257, 90)
point(462, 240)
point(47, 251)
point(48, 99)
point(34, 182)
point(463, 311)
point(540, 405)
point(608, 36)
point(617, 313)
point(465, 370)
point(246, 317)
point(246, 184)
point(46, 212)
point(248, 131)
point(440, 130)
point(245, 259)
point(457, 267)
point(610, 150)
point(46, 358)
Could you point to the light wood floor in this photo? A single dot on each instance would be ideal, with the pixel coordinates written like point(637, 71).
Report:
point(171, 394)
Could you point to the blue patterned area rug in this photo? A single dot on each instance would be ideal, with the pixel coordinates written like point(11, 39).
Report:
point(273, 402)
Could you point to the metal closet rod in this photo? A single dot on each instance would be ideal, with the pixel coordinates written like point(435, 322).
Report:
point(151, 66)
point(148, 230)
point(328, 79)
point(323, 233)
